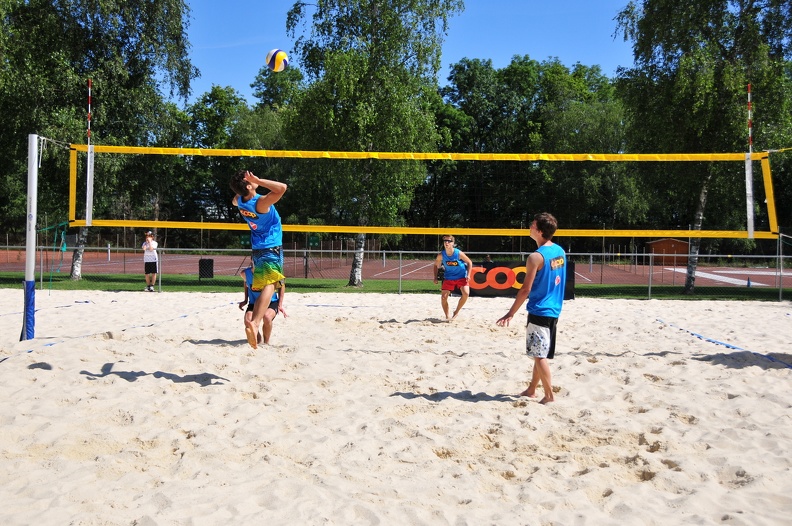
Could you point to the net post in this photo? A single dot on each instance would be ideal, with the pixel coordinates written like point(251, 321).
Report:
point(749, 198)
point(29, 320)
point(89, 185)
point(749, 171)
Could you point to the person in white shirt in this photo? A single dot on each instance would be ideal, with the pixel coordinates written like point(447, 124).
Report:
point(150, 261)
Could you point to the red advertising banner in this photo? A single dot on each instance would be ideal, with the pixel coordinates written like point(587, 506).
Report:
point(504, 278)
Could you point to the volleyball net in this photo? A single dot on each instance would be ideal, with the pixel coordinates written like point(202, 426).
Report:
point(749, 232)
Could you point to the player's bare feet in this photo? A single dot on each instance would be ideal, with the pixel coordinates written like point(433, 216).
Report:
point(546, 400)
point(251, 336)
point(528, 393)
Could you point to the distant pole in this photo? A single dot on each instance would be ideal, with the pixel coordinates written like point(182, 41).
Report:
point(750, 122)
point(90, 167)
point(749, 173)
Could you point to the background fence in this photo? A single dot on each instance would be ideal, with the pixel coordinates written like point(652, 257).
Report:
point(604, 274)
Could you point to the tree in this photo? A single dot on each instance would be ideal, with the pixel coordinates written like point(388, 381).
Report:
point(277, 90)
point(501, 106)
point(580, 113)
point(533, 107)
point(687, 93)
point(371, 66)
point(49, 49)
point(221, 118)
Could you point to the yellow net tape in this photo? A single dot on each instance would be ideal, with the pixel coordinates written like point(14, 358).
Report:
point(417, 156)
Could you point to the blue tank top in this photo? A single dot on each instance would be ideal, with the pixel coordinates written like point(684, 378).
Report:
point(265, 229)
point(454, 267)
point(547, 293)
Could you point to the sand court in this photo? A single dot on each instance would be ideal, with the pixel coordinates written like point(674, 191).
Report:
point(140, 408)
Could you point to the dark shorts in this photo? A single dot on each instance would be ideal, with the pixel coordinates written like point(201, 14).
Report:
point(273, 305)
point(150, 267)
point(540, 337)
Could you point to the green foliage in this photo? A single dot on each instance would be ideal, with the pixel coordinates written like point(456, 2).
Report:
point(49, 49)
point(371, 68)
point(531, 107)
point(687, 93)
point(278, 90)
point(369, 83)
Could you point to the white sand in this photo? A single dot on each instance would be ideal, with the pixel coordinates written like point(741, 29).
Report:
point(140, 408)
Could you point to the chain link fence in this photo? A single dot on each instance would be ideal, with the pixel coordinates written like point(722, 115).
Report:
point(604, 274)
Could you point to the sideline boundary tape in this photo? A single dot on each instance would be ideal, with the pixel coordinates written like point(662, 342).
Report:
point(727, 345)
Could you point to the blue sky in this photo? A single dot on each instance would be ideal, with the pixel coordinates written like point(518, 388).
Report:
point(230, 39)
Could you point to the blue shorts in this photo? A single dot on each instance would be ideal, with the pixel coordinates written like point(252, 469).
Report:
point(267, 267)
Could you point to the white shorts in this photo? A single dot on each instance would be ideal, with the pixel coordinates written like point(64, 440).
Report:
point(537, 341)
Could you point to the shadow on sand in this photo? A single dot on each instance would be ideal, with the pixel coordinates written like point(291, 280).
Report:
point(202, 379)
point(464, 396)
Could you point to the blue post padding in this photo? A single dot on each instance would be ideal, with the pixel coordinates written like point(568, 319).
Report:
point(29, 323)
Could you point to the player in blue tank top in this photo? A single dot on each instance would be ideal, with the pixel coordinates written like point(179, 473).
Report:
point(456, 272)
point(543, 287)
point(266, 238)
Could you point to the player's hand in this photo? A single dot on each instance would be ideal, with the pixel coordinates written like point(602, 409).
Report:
point(242, 304)
point(504, 322)
point(283, 311)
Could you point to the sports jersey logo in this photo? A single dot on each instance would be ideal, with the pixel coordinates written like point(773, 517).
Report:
point(248, 213)
point(452, 263)
point(556, 263)
point(558, 280)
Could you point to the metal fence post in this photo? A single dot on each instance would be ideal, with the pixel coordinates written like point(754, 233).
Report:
point(160, 257)
point(400, 270)
point(780, 266)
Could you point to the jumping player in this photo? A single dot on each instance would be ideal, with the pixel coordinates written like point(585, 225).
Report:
point(266, 238)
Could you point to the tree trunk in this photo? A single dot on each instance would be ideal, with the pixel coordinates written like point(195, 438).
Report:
point(695, 243)
point(356, 273)
point(77, 256)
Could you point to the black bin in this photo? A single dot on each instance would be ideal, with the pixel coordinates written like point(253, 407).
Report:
point(569, 290)
point(205, 268)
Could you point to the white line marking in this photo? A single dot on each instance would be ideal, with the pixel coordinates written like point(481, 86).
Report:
point(715, 277)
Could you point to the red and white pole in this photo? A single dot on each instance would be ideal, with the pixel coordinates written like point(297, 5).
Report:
point(89, 110)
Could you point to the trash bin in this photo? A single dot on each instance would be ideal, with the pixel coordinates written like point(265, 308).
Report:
point(205, 268)
point(569, 290)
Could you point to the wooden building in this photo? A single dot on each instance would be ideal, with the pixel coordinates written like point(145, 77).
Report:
point(669, 251)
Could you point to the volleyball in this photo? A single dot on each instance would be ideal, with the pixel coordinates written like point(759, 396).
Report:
point(277, 60)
